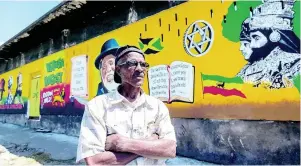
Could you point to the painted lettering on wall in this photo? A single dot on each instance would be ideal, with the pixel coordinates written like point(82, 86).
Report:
point(79, 83)
point(54, 78)
point(172, 82)
point(47, 97)
point(55, 96)
point(55, 64)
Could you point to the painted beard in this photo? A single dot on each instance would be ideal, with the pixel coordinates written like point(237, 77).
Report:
point(109, 82)
point(262, 52)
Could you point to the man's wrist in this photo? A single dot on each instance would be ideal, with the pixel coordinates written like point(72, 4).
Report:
point(128, 146)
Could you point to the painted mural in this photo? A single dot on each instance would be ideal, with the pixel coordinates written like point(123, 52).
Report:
point(59, 95)
point(230, 61)
point(13, 101)
point(270, 46)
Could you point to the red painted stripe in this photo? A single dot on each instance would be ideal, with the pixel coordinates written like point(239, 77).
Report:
point(224, 92)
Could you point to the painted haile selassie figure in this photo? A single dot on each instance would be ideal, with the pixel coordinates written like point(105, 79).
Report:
point(270, 46)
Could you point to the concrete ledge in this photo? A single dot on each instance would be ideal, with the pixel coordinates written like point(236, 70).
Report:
point(239, 142)
point(18, 119)
point(69, 125)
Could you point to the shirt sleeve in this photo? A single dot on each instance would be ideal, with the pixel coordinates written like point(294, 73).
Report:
point(165, 127)
point(92, 135)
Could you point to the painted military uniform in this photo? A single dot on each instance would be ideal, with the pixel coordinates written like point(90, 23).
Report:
point(101, 89)
point(277, 70)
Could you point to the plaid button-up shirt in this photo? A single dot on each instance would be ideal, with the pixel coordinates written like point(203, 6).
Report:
point(112, 113)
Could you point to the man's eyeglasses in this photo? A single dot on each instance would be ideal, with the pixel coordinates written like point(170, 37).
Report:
point(134, 63)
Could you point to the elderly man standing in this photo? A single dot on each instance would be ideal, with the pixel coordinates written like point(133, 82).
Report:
point(127, 126)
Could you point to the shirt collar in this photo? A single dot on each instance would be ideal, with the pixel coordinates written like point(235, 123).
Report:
point(116, 98)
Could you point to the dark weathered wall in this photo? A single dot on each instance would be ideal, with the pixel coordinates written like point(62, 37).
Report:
point(239, 142)
point(69, 125)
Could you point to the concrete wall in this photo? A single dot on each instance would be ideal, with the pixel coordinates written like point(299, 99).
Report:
point(69, 125)
point(238, 141)
point(216, 141)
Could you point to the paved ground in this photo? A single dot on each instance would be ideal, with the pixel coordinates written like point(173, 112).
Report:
point(24, 146)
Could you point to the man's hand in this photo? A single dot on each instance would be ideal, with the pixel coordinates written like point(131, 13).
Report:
point(153, 137)
point(117, 142)
point(111, 142)
point(150, 147)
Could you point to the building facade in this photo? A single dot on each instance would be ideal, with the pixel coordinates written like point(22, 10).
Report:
point(229, 72)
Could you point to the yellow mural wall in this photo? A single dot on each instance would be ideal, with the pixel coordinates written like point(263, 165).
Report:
point(224, 58)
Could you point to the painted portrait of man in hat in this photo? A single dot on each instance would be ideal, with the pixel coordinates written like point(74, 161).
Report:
point(105, 63)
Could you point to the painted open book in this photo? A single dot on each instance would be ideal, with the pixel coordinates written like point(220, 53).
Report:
point(174, 82)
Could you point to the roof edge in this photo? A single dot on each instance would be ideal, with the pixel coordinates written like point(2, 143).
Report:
point(25, 30)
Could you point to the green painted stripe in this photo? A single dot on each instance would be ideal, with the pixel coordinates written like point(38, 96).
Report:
point(141, 45)
point(237, 80)
point(297, 82)
point(157, 44)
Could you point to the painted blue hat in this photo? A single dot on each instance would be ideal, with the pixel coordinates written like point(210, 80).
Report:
point(109, 47)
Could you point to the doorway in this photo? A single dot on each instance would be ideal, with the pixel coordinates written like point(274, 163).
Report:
point(34, 98)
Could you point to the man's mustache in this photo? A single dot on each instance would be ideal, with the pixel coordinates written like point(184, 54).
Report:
point(138, 74)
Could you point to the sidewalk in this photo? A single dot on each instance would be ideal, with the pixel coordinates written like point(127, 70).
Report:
point(24, 146)
point(50, 148)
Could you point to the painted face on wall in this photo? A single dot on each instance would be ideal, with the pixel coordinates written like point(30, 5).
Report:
point(107, 72)
point(258, 39)
point(245, 49)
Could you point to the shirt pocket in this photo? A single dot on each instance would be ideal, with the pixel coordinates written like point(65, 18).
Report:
point(118, 124)
point(152, 128)
point(118, 127)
